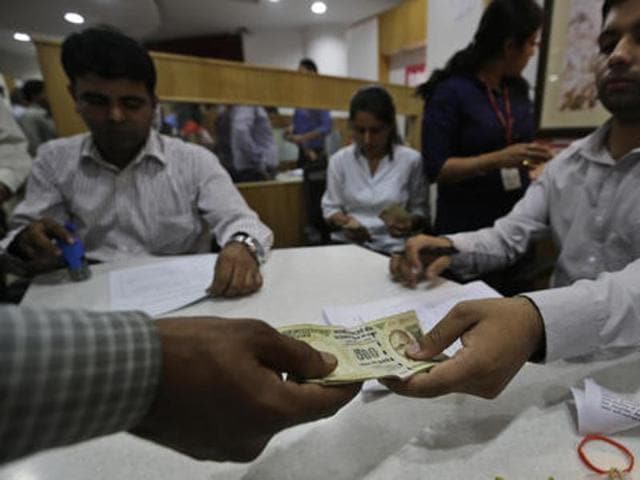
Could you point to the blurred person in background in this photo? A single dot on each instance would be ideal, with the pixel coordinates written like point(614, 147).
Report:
point(309, 130)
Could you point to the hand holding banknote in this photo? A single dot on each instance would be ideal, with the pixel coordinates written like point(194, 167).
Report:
point(398, 221)
point(373, 350)
point(498, 336)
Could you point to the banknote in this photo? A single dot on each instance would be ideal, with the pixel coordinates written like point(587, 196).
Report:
point(372, 350)
point(395, 212)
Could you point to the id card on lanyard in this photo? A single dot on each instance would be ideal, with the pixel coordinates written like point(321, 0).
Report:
point(510, 176)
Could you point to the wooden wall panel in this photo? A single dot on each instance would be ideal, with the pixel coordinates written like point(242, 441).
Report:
point(193, 79)
point(403, 27)
point(280, 205)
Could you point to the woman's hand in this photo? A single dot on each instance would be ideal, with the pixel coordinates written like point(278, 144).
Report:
point(528, 155)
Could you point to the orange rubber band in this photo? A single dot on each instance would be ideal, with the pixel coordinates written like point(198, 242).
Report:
point(610, 441)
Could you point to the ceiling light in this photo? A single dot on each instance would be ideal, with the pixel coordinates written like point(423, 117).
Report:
point(21, 37)
point(73, 17)
point(274, 1)
point(319, 8)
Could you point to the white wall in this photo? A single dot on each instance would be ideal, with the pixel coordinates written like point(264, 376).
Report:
point(20, 66)
point(362, 50)
point(274, 48)
point(399, 63)
point(450, 27)
point(327, 46)
point(284, 48)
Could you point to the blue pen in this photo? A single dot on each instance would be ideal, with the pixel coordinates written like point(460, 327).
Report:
point(73, 255)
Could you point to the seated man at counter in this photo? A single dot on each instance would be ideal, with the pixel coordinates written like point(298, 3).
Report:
point(208, 387)
point(128, 189)
point(588, 197)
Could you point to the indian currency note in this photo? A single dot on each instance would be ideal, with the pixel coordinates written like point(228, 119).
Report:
point(372, 350)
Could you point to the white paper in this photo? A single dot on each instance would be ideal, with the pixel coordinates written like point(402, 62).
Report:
point(162, 287)
point(429, 310)
point(603, 411)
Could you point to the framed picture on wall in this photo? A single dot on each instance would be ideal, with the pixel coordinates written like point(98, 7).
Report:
point(566, 98)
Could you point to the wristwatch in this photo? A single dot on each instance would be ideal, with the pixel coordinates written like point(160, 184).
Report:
point(250, 243)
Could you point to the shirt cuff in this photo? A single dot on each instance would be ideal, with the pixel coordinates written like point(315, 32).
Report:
point(10, 179)
point(572, 320)
point(462, 262)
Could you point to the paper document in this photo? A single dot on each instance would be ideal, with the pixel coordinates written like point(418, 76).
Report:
point(603, 411)
point(162, 287)
point(430, 309)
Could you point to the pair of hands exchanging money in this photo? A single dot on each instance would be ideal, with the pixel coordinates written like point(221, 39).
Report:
point(498, 336)
point(398, 221)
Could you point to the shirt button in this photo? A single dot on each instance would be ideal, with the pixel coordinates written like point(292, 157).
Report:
point(599, 220)
point(592, 259)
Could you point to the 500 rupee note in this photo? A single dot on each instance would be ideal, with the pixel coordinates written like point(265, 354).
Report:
point(373, 350)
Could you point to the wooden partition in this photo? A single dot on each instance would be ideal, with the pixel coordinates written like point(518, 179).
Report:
point(193, 79)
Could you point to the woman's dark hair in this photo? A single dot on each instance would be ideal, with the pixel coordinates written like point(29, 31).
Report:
point(501, 21)
point(309, 64)
point(377, 101)
point(107, 53)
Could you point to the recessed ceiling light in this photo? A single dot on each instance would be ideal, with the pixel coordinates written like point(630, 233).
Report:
point(21, 37)
point(73, 17)
point(319, 8)
point(274, 1)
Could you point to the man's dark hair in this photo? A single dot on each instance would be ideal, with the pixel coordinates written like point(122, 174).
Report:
point(31, 89)
point(608, 5)
point(309, 64)
point(502, 20)
point(107, 53)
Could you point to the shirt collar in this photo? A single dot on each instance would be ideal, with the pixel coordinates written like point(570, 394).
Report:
point(595, 149)
point(153, 150)
point(357, 152)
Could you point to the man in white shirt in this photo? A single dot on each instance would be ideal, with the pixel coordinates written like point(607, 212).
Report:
point(588, 197)
point(128, 189)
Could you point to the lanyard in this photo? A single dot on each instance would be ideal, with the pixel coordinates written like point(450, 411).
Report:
point(506, 118)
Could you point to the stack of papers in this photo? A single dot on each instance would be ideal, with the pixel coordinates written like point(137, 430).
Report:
point(603, 411)
point(162, 287)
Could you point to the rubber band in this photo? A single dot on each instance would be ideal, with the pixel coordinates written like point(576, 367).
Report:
point(610, 441)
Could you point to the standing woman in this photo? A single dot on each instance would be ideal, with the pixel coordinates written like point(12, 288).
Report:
point(478, 121)
point(375, 177)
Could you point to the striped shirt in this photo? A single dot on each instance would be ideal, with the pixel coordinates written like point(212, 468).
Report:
point(69, 376)
point(353, 190)
point(15, 162)
point(168, 200)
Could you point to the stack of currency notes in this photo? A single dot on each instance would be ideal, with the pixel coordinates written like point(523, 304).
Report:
point(372, 350)
point(395, 212)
